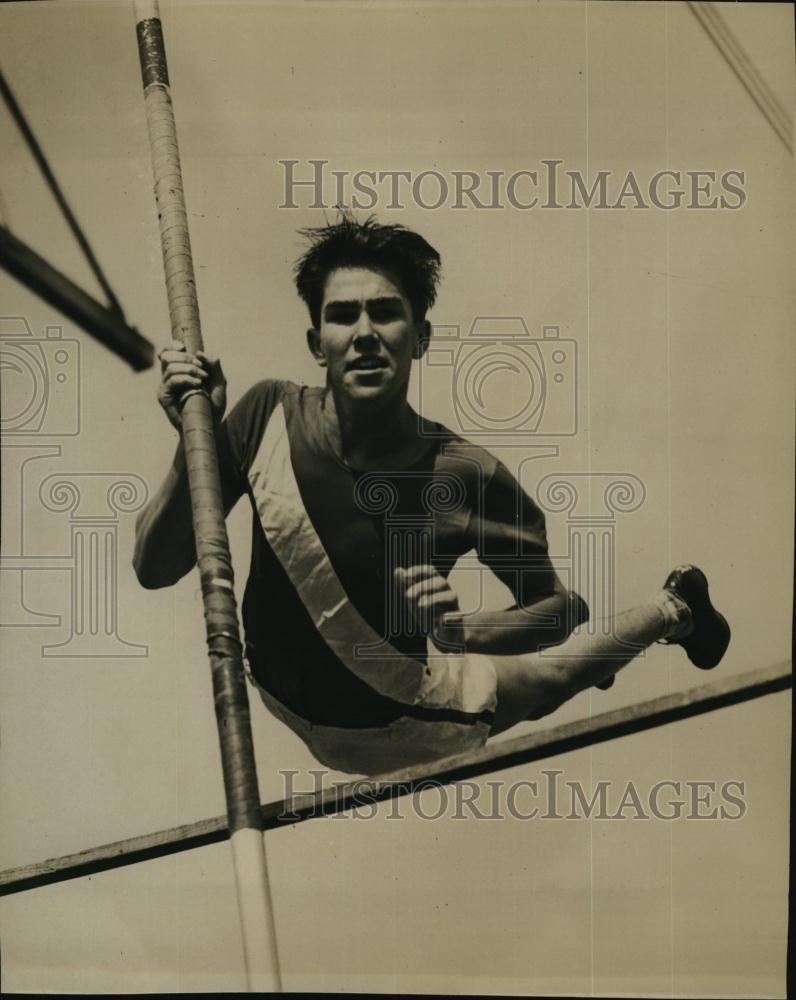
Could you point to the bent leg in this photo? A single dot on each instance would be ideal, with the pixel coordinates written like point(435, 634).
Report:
point(532, 685)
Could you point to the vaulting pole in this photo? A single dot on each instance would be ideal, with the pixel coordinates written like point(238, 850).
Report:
point(212, 546)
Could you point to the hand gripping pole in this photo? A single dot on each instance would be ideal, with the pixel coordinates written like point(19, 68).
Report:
point(212, 545)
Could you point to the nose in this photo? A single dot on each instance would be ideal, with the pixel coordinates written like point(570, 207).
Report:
point(364, 328)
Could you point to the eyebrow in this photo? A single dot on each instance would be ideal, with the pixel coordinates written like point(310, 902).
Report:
point(355, 303)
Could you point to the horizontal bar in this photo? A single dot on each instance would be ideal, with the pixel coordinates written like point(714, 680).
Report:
point(63, 294)
point(494, 757)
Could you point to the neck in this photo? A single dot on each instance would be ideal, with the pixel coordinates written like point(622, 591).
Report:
point(366, 435)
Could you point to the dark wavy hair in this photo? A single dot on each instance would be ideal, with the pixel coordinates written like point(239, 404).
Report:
point(348, 243)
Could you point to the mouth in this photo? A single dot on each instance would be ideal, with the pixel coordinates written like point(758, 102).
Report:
point(367, 363)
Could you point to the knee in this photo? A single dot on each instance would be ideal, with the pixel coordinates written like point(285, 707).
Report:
point(555, 684)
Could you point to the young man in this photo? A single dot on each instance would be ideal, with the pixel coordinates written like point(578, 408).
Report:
point(354, 636)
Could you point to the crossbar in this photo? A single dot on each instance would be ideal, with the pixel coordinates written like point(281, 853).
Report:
point(494, 757)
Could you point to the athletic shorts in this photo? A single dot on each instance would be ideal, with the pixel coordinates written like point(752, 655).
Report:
point(434, 726)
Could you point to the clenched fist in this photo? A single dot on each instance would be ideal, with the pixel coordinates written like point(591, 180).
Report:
point(432, 606)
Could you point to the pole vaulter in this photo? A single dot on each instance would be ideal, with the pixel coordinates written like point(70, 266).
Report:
point(212, 545)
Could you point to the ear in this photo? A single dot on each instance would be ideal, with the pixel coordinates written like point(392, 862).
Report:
point(423, 337)
point(314, 344)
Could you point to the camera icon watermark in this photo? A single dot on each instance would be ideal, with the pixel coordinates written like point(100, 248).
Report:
point(41, 380)
point(502, 383)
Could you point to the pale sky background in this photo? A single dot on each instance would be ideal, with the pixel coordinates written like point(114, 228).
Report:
point(683, 322)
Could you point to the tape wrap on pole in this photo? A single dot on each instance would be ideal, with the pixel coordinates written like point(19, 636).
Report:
point(212, 544)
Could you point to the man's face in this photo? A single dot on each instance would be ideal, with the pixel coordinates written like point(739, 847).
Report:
point(368, 336)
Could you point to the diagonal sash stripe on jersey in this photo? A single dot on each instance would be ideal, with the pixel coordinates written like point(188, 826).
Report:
point(458, 684)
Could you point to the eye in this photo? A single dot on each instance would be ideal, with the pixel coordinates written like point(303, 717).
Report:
point(343, 313)
point(385, 312)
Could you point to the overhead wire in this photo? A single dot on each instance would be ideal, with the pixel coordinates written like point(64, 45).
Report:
point(744, 69)
point(49, 177)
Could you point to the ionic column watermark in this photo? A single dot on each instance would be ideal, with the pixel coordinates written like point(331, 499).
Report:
point(592, 501)
point(93, 502)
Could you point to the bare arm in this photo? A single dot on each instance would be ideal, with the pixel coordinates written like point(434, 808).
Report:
point(164, 543)
point(547, 621)
point(510, 538)
point(165, 549)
